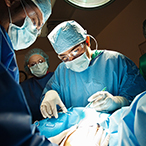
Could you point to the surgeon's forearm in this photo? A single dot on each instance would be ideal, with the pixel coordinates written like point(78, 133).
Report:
point(122, 101)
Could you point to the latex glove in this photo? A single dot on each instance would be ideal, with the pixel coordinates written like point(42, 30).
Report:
point(48, 105)
point(104, 101)
point(89, 135)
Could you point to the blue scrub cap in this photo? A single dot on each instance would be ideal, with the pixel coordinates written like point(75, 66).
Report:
point(45, 8)
point(66, 35)
point(32, 52)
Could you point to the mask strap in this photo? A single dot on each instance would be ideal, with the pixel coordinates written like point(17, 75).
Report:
point(10, 15)
point(94, 40)
point(23, 8)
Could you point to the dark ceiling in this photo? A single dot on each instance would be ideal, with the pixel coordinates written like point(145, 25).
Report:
point(94, 20)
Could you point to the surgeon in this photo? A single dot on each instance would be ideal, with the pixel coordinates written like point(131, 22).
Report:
point(20, 24)
point(37, 65)
point(84, 73)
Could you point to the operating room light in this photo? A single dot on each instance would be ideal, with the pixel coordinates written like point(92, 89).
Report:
point(89, 3)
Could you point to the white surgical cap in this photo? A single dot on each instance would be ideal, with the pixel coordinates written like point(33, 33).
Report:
point(45, 8)
point(66, 35)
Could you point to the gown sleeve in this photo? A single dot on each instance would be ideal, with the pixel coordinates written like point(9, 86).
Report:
point(15, 117)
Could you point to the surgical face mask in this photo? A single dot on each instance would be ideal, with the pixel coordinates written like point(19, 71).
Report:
point(79, 64)
point(39, 69)
point(22, 37)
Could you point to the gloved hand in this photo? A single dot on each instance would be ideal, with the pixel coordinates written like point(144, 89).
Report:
point(104, 101)
point(48, 105)
point(86, 135)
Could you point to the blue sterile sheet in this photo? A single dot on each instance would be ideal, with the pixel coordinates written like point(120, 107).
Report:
point(52, 127)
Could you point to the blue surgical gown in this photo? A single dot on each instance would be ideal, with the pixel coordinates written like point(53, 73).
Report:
point(127, 125)
point(15, 119)
point(132, 126)
point(109, 69)
point(33, 89)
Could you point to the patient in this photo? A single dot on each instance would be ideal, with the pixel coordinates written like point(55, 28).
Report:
point(93, 135)
point(90, 135)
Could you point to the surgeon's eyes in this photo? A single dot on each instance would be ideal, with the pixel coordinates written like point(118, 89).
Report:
point(75, 52)
point(33, 64)
point(39, 61)
point(64, 58)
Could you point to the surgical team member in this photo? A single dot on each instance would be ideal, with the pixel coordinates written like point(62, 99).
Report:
point(84, 73)
point(37, 65)
point(20, 23)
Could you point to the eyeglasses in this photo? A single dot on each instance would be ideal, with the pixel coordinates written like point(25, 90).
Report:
point(34, 63)
point(75, 52)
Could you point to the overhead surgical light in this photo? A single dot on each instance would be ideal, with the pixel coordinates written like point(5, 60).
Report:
point(89, 3)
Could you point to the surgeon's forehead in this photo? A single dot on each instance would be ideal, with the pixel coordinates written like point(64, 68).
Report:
point(36, 57)
point(71, 49)
point(68, 51)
